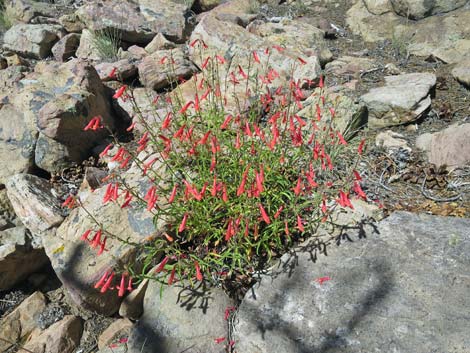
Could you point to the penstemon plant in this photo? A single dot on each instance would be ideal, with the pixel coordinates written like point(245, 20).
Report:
point(234, 184)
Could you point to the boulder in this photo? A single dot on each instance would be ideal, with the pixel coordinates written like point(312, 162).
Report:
point(164, 67)
point(123, 70)
point(120, 327)
point(159, 42)
point(21, 254)
point(444, 37)
point(418, 9)
point(19, 324)
point(349, 66)
point(77, 264)
point(34, 203)
point(400, 288)
point(90, 47)
point(132, 305)
point(26, 11)
point(403, 99)
point(136, 22)
point(66, 47)
point(181, 319)
point(461, 72)
point(450, 147)
point(378, 7)
point(206, 5)
point(62, 337)
point(391, 141)
point(30, 40)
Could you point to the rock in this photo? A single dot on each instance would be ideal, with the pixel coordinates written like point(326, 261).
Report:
point(27, 11)
point(66, 47)
point(34, 41)
point(71, 23)
point(418, 9)
point(162, 67)
point(350, 65)
point(89, 47)
point(78, 266)
point(143, 98)
point(401, 289)
point(403, 99)
point(9, 78)
point(42, 210)
point(378, 7)
point(132, 305)
point(461, 72)
point(206, 5)
point(16, 60)
point(125, 69)
point(78, 96)
point(61, 337)
point(443, 37)
point(19, 324)
point(3, 63)
point(450, 147)
point(137, 22)
point(181, 320)
point(21, 254)
point(391, 140)
point(159, 42)
point(121, 327)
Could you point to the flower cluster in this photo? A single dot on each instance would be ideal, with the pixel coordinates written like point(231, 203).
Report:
point(235, 185)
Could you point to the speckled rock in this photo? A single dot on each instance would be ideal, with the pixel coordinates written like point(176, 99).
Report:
point(402, 288)
point(34, 41)
point(66, 47)
point(137, 22)
point(159, 42)
point(19, 324)
point(181, 320)
point(418, 9)
point(34, 203)
point(403, 99)
point(162, 67)
point(461, 72)
point(118, 328)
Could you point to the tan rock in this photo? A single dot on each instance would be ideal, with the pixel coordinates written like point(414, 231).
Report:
point(21, 322)
point(159, 42)
point(461, 72)
point(66, 47)
point(132, 305)
point(450, 147)
point(61, 337)
point(121, 327)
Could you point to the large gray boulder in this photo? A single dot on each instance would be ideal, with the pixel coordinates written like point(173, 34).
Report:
point(30, 40)
point(181, 320)
point(401, 288)
point(403, 99)
point(418, 9)
point(461, 72)
point(136, 22)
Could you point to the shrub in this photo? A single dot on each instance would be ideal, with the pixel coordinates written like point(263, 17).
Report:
point(234, 186)
point(107, 42)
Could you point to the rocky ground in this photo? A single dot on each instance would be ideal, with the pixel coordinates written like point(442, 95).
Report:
point(394, 284)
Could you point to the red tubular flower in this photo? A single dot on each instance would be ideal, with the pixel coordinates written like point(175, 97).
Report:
point(112, 74)
point(206, 93)
point(344, 200)
point(167, 121)
point(198, 271)
point(342, 141)
point(173, 194)
point(279, 48)
point(183, 223)
point(69, 202)
point(102, 280)
point(194, 42)
point(256, 57)
point(96, 239)
point(224, 193)
point(108, 282)
point(185, 107)
point(241, 187)
point(278, 212)
point(94, 124)
point(162, 264)
point(320, 84)
point(323, 206)
point(220, 59)
point(227, 120)
point(286, 228)
point(302, 61)
point(121, 287)
point(85, 235)
point(264, 215)
point(357, 176)
point(205, 63)
point(119, 92)
point(106, 150)
point(228, 311)
point(172, 276)
point(300, 226)
point(219, 340)
point(102, 246)
point(358, 190)
point(242, 73)
point(298, 187)
point(322, 280)
point(129, 285)
point(361, 146)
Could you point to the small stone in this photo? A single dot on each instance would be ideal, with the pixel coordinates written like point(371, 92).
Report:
point(132, 305)
point(391, 140)
point(159, 42)
point(119, 328)
point(66, 47)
